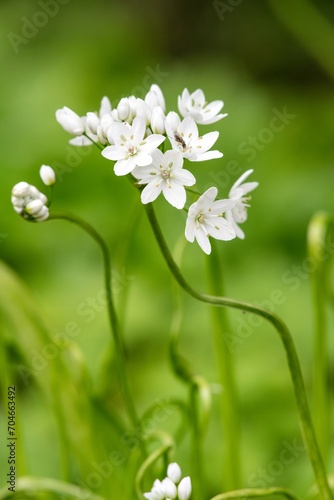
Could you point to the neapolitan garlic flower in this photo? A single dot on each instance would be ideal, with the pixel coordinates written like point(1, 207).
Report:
point(184, 137)
point(195, 105)
point(47, 174)
point(130, 148)
point(174, 472)
point(70, 121)
point(238, 214)
point(29, 202)
point(184, 489)
point(172, 487)
point(165, 174)
point(205, 218)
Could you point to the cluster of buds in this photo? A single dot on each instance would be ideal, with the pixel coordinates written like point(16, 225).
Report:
point(172, 487)
point(28, 201)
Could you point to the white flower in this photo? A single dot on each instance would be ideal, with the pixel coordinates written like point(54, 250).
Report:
point(47, 174)
point(129, 148)
point(195, 105)
point(238, 213)
point(123, 109)
point(29, 202)
point(70, 121)
point(168, 488)
point(184, 489)
point(165, 174)
point(184, 137)
point(174, 472)
point(156, 492)
point(158, 121)
point(155, 97)
point(205, 218)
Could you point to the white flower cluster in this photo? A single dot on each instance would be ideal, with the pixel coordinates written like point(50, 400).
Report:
point(132, 135)
point(29, 202)
point(172, 487)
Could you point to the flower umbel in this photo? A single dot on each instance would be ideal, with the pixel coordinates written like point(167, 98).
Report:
point(238, 214)
point(29, 202)
point(166, 175)
point(205, 219)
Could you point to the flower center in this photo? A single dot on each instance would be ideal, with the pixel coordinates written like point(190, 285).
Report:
point(200, 218)
point(133, 150)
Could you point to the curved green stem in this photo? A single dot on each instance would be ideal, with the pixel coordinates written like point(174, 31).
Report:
point(256, 492)
point(120, 352)
point(164, 449)
point(319, 254)
point(199, 392)
point(305, 419)
point(228, 397)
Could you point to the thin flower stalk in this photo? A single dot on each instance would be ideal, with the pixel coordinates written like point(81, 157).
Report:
point(305, 419)
point(226, 371)
point(120, 356)
point(318, 234)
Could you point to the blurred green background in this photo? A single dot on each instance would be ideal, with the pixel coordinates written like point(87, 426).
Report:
point(264, 59)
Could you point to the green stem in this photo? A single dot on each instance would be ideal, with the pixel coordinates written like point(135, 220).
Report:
point(317, 232)
point(120, 351)
point(163, 450)
point(305, 419)
point(256, 492)
point(225, 360)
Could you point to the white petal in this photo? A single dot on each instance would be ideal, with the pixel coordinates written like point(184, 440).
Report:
point(221, 230)
point(114, 153)
point(242, 178)
point(142, 159)
point(239, 232)
point(185, 177)
point(209, 155)
point(151, 192)
point(175, 194)
point(190, 228)
point(206, 142)
point(203, 240)
point(188, 129)
point(124, 167)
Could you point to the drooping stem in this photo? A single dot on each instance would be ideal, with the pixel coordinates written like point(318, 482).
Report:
point(164, 450)
point(319, 255)
point(228, 394)
point(114, 325)
point(305, 419)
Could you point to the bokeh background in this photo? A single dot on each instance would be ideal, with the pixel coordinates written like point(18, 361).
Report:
point(264, 59)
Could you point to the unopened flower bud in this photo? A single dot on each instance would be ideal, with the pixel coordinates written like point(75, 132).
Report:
point(184, 489)
point(47, 175)
point(174, 472)
point(168, 488)
point(70, 121)
point(92, 122)
point(123, 109)
point(158, 121)
point(161, 100)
